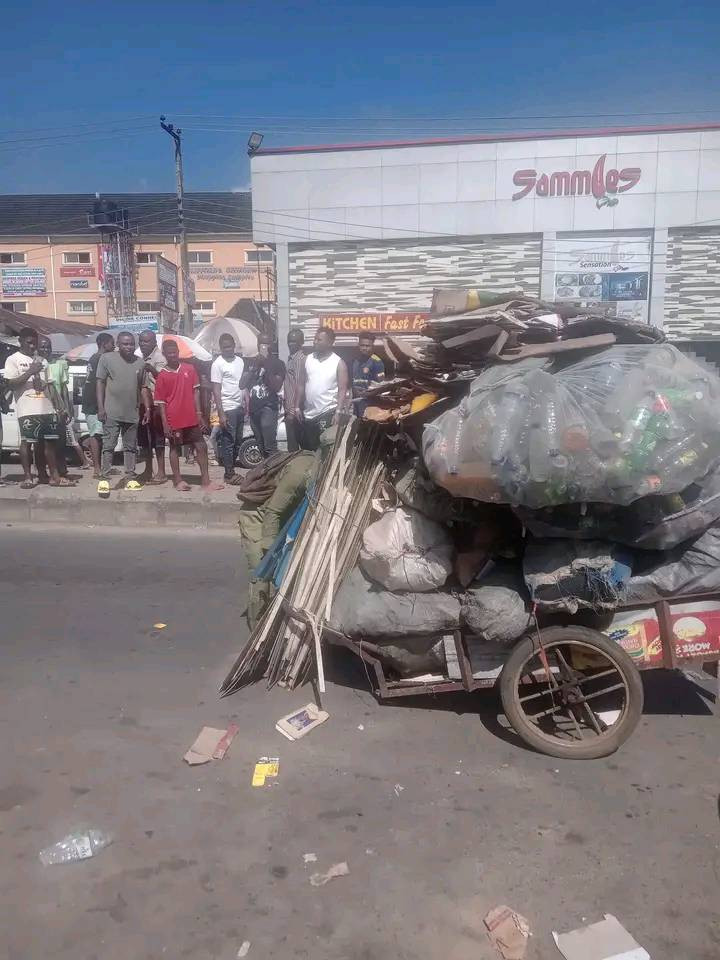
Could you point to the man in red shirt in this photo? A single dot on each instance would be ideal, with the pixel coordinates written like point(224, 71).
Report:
point(177, 395)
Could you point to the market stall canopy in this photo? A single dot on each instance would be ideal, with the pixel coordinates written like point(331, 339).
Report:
point(244, 334)
point(12, 323)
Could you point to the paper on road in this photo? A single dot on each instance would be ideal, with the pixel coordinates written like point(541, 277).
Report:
point(606, 940)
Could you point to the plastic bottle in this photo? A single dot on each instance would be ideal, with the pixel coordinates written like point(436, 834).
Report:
point(638, 421)
point(511, 411)
point(680, 456)
point(669, 424)
point(75, 846)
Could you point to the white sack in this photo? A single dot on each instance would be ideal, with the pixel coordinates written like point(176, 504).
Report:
point(405, 550)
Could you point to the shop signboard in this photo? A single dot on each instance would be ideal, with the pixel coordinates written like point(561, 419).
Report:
point(24, 282)
point(167, 284)
point(77, 271)
point(136, 322)
point(601, 183)
point(398, 324)
point(611, 273)
point(79, 284)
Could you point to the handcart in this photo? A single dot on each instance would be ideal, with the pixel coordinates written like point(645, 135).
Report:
point(570, 690)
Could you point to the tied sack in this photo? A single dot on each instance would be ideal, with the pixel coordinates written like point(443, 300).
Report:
point(405, 550)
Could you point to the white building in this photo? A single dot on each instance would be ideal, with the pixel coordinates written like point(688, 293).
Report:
point(626, 218)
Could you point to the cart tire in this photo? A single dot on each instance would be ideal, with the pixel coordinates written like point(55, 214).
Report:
point(586, 749)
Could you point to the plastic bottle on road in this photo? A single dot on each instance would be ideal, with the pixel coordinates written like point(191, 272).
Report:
point(75, 846)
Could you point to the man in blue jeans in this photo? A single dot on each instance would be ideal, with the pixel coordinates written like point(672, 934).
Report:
point(265, 376)
point(225, 376)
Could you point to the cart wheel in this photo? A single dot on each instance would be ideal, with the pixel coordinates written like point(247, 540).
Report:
point(571, 692)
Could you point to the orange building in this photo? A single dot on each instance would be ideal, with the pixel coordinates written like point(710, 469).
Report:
point(51, 265)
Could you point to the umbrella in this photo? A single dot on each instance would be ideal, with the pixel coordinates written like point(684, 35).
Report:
point(62, 342)
point(244, 334)
point(188, 348)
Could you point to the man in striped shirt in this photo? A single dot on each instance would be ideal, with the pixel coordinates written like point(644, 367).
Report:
point(293, 377)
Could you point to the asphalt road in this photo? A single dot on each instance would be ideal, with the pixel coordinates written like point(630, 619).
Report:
point(97, 708)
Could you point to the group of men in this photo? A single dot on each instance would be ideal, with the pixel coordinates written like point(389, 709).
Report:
point(148, 396)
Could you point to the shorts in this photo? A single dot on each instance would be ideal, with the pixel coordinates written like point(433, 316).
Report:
point(187, 435)
point(39, 426)
point(94, 426)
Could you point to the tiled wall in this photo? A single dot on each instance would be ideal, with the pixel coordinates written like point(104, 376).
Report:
point(401, 275)
point(692, 286)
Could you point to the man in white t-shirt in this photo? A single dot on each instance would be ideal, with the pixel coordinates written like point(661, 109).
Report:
point(323, 390)
point(26, 374)
point(225, 376)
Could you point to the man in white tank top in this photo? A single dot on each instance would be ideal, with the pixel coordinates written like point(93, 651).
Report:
point(323, 389)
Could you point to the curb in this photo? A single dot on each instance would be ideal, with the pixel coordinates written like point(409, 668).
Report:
point(118, 512)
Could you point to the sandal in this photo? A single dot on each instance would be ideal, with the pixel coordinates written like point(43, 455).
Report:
point(133, 486)
point(27, 485)
point(182, 486)
point(62, 482)
point(103, 489)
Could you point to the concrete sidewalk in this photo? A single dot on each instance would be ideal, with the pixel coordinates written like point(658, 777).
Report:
point(153, 505)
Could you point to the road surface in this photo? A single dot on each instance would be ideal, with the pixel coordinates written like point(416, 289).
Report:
point(438, 812)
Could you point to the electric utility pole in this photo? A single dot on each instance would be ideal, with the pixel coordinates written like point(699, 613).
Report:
point(187, 318)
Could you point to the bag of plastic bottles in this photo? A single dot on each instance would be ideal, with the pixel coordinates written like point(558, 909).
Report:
point(657, 522)
point(621, 424)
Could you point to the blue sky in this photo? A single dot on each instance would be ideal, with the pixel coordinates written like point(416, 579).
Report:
point(92, 79)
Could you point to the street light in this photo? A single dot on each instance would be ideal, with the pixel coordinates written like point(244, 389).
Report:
point(254, 141)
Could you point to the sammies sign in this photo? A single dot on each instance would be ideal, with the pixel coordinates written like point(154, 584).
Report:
point(393, 323)
point(600, 183)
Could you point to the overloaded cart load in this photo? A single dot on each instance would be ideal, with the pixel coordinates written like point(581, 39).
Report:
point(526, 460)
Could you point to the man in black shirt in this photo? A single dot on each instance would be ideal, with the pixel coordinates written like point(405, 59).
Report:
point(266, 376)
point(105, 344)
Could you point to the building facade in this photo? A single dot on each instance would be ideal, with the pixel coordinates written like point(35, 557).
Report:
point(627, 221)
point(51, 263)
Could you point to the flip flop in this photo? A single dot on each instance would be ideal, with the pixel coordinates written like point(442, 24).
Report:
point(213, 487)
point(62, 482)
point(27, 485)
point(133, 486)
point(158, 483)
point(182, 487)
point(103, 489)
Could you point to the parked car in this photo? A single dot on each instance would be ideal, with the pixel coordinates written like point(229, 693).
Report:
point(249, 453)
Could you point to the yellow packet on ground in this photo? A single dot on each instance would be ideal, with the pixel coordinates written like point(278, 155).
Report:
point(265, 767)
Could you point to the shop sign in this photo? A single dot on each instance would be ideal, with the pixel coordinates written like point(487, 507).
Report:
point(408, 324)
point(24, 282)
point(599, 183)
point(77, 271)
point(136, 322)
point(79, 284)
point(610, 273)
point(167, 284)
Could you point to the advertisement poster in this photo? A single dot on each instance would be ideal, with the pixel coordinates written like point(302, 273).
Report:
point(609, 273)
point(24, 282)
point(77, 271)
point(167, 284)
point(136, 323)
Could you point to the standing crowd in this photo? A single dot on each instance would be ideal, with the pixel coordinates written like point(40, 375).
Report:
point(149, 397)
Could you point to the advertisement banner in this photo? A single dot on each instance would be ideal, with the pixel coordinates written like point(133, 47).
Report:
point(610, 273)
point(24, 282)
point(77, 271)
point(79, 284)
point(402, 324)
point(167, 284)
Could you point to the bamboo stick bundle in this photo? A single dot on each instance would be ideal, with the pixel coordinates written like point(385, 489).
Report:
point(286, 641)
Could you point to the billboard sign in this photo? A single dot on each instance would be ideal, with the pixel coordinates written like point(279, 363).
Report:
point(24, 282)
point(167, 284)
point(402, 324)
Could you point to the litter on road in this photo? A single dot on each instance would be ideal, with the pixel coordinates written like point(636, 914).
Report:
point(211, 744)
point(264, 768)
point(309, 858)
point(244, 949)
point(75, 846)
point(300, 722)
point(337, 870)
point(606, 940)
point(509, 931)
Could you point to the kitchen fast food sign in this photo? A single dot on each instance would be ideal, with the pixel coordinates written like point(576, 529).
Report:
point(601, 183)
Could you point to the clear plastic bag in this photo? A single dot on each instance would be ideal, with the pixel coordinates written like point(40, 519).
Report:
point(75, 846)
point(619, 425)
